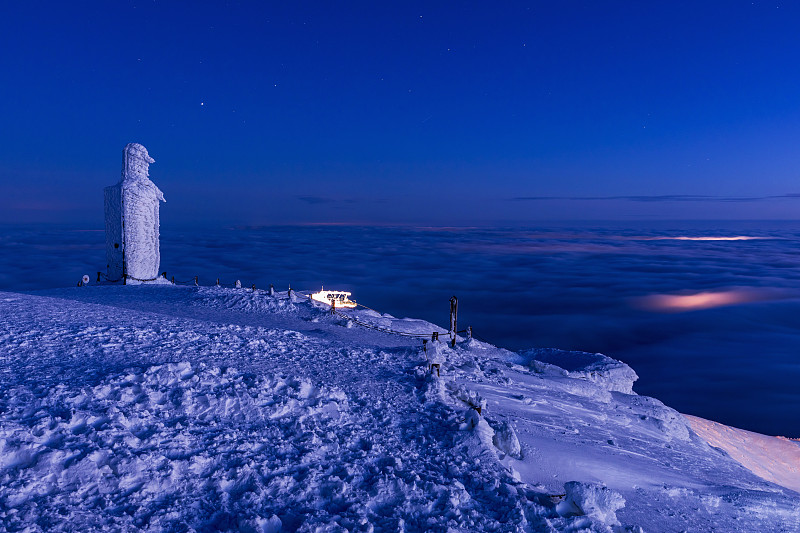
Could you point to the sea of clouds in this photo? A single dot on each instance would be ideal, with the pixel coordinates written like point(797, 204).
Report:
point(711, 326)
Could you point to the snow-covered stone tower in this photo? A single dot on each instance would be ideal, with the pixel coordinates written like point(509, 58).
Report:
point(131, 208)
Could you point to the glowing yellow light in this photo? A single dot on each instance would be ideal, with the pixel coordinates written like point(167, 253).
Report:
point(340, 298)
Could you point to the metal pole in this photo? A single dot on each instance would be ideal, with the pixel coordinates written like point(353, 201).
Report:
point(453, 318)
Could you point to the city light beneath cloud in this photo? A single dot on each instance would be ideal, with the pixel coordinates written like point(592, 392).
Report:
point(702, 300)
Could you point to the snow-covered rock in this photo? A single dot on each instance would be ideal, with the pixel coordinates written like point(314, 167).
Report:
point(439, 352)
point(609, 373)
point(506, 440)
point(592, 500)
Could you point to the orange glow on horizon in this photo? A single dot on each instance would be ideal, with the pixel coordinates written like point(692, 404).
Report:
point(676, 303)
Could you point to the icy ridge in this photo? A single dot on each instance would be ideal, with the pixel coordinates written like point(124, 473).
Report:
point(609, 373)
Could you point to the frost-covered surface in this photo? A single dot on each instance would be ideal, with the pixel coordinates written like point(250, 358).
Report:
point(132, 218)
point(196, 409)
point(595, 367)
point(776, 459)
point(591, 500)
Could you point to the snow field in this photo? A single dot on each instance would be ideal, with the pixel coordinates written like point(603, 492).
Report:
point(141, 449)
point(206, 409)
point(183, 447)
point(776, 459)
point(243, 300)
point(364, 441)
point(633, 456)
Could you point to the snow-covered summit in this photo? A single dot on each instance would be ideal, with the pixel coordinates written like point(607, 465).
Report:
point(204, 409)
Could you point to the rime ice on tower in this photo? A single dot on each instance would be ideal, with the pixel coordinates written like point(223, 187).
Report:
point(131, 209)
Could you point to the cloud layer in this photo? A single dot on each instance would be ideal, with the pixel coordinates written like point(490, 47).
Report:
point(711, 326)
point(665, 198)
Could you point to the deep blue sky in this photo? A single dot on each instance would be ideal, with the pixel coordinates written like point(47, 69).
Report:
point(446, 113)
